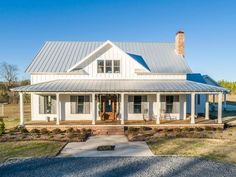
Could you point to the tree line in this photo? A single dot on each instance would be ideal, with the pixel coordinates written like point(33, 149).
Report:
point(9, 79)
point(229, 85)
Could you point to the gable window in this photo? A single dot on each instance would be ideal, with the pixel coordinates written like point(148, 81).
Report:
point(116, 66)
point(108, 66)
point(100, 66)
point(80, 104)
point(137, 104)
point(47, 104)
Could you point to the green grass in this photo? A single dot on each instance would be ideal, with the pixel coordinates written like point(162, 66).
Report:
point(217, 149)
point(29, 149)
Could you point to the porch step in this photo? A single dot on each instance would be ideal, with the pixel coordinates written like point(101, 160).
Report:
point(108, 130)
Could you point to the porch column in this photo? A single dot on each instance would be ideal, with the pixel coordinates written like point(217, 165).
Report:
point(225, 101)
point(192, 108)
point(220, 108)
point(158, 108)
point(122, 108)
point(21, 109)
point(214, 101)
point(207, 108)
point(58, 109)
point(93, 108)
point(184, 107)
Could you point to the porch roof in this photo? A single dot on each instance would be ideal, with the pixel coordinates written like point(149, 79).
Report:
point(117, 85)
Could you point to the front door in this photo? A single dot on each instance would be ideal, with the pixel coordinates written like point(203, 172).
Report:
point(109, 107)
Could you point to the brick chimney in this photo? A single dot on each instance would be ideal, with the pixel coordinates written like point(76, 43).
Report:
point(179, 43)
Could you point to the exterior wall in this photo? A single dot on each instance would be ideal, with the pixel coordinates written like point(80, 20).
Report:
point(199, 108)
point(66, 109)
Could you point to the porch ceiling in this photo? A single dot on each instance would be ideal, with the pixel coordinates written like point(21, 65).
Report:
point(117, 85)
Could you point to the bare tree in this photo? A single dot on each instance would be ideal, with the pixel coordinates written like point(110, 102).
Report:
point(8, 72)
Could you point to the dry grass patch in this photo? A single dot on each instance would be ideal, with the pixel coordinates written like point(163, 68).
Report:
point(218, 149)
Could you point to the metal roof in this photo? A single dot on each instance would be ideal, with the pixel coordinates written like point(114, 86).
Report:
point(197, 77)
point(119, 86)
point(210, 81)
point(60, 56)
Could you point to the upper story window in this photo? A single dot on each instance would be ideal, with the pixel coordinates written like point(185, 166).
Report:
point(108, 66)
point(116, 67)
point(100, 66)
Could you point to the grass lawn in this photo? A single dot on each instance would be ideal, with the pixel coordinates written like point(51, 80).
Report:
point(217, 149)
point(29, 149)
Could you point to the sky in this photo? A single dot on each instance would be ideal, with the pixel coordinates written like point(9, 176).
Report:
point(209, 26)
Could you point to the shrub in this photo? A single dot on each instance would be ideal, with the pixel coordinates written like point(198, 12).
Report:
point(78, 131)
point(186, 129)
point(44, 131)
point(70, 130)
point(178, 130)
point(24, 130)
point(71, 135)
point(2, 127)
point(199, 129)
point(219, 129)
point(158, 130)
point(208, 128)
point(35, 131)
point(191, 129)
point(56, 131)
point(132, 130)
point(165, 130)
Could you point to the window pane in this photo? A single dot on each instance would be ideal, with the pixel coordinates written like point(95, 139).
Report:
point(137, 104)
point(100, 66)
point(137, 99)
point(108, 66)
point(80, 109)
point(116, 66)
point(137, 108)
point(169, 104)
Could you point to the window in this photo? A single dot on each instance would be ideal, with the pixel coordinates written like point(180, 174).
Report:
point(137, 104)
point(47, 104)
point(108, 66)
point(80, 104)
point(169, 104)
point(100, 66)
point(116, 66)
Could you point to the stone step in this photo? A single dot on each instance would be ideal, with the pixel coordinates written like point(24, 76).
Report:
point(108, 131)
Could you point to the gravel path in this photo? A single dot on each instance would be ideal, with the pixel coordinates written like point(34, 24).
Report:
point(117, 166)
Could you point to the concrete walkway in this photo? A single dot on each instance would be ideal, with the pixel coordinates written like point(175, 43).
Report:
point(122, 147)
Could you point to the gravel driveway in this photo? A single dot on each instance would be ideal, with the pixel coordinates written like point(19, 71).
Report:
point(118, 166)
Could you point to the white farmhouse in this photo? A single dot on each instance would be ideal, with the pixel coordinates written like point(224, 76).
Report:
point(116, 82)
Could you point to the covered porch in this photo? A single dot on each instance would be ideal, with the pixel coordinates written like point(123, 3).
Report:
point(112, 104)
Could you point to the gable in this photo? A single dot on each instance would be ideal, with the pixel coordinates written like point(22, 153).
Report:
point(61, 56)
point(113, 55)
